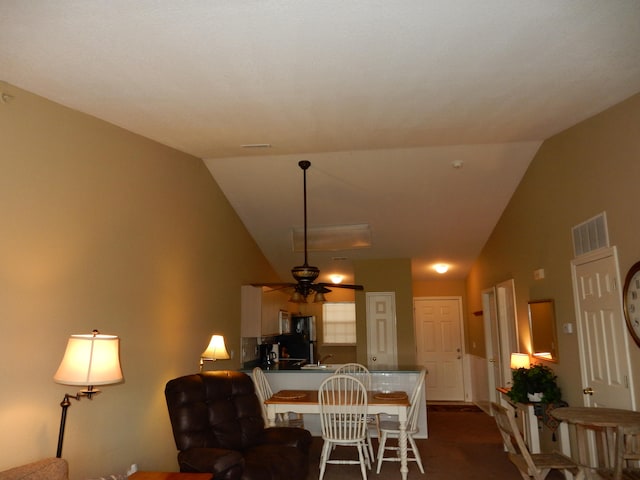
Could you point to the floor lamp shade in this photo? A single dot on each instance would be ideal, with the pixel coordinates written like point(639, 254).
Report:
point(90, 360)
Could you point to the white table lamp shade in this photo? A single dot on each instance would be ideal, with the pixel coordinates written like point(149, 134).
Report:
point(520, 360)
point(216, 349)
point(90, 360)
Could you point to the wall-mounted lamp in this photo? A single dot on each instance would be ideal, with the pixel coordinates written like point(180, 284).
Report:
point(216, 350)
point(89, 360)
point(520, 360)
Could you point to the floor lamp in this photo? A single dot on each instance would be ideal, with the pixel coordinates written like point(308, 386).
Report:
point(89, 360)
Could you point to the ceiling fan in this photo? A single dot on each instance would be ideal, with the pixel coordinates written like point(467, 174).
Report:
point(305, 274)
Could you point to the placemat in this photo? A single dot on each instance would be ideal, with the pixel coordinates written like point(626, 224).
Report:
point(289, 395)
point(390, 395)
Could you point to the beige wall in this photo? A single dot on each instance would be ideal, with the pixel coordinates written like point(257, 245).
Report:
point(581, 172)
point(105, 229)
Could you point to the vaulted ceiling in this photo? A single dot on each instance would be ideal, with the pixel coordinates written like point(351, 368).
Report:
point(419, 117)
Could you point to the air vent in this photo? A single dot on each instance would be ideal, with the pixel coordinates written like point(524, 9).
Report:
point(590, 235)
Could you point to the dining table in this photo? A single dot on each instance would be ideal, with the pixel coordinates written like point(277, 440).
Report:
point(306, 402)
point(595, 432)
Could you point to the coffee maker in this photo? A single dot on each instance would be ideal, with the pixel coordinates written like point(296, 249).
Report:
point(267, 354)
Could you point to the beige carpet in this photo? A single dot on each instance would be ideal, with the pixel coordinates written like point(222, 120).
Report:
point(461, 445)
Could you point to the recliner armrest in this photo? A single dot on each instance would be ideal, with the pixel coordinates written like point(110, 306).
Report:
point(290, 436)
point(224, 464)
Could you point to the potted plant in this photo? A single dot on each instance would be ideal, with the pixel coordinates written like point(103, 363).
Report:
point(535, 384)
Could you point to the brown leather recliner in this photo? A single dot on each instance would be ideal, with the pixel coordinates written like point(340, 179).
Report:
point(218, 427)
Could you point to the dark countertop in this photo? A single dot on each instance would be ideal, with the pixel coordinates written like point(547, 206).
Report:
point(293, 366)
point(281, 366)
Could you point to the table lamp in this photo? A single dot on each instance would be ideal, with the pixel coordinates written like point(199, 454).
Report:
point(520, 360)
point(215, 351)
point(89, 360)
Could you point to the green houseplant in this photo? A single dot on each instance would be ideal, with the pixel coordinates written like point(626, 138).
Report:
point(533, 380)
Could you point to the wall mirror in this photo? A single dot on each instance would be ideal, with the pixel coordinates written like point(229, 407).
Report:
point(542, 321)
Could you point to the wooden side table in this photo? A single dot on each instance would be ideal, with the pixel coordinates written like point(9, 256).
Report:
point(170, 476)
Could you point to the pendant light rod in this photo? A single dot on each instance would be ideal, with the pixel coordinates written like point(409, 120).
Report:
point(304, 165)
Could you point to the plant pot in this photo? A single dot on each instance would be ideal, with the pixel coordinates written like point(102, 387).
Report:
point(535, 397)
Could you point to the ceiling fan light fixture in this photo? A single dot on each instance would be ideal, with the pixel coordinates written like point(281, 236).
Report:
point(297, 297)
point(305, 273)
point(319, 298)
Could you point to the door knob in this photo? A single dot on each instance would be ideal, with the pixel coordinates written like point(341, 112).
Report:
point(588, 391)
point(374, 358)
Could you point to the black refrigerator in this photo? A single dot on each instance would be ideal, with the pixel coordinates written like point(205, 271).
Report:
point(301, 342)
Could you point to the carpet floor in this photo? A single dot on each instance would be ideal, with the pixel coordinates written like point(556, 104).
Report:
point(463, 443)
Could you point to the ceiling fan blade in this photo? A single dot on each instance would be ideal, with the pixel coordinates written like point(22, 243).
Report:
point(341, 285)
point(275, 286)
point(320, 288)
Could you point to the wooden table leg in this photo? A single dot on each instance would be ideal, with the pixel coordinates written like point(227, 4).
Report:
point(402, 443)
point(271, 414)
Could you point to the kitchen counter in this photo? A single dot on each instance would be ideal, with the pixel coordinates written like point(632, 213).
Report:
point(292, 366)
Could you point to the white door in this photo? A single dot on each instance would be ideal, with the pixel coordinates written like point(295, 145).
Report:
point(602, 339)
point(492, 348)
point(507, 327)
point(438, 324)
point(381, 329)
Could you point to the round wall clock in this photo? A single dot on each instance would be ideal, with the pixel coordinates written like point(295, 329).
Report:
point(631, 301)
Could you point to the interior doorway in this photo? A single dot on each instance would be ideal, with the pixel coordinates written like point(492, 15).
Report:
point(440, 346)
point(492, 350)
point(501, 336)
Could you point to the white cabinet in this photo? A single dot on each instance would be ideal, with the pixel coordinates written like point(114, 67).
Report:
point(259, 310)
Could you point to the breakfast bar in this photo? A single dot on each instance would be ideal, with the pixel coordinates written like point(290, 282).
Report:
point(309, 377)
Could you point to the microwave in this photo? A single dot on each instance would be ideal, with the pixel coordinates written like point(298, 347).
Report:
point(284, 322)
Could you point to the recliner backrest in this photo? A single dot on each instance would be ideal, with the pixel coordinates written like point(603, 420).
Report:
point(216, 409)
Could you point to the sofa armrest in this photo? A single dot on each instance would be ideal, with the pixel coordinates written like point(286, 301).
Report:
point(290, 436)
point(224, 464)
point(46, 469)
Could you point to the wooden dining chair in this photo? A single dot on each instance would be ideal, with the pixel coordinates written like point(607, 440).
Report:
point(357, 370)
point(627, 455)
point(343, 420)
point(391, 429)
point(363, 374)
point(264, 392)
point(530, 465)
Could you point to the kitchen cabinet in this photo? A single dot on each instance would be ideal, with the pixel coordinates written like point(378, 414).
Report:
point(259, 310)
